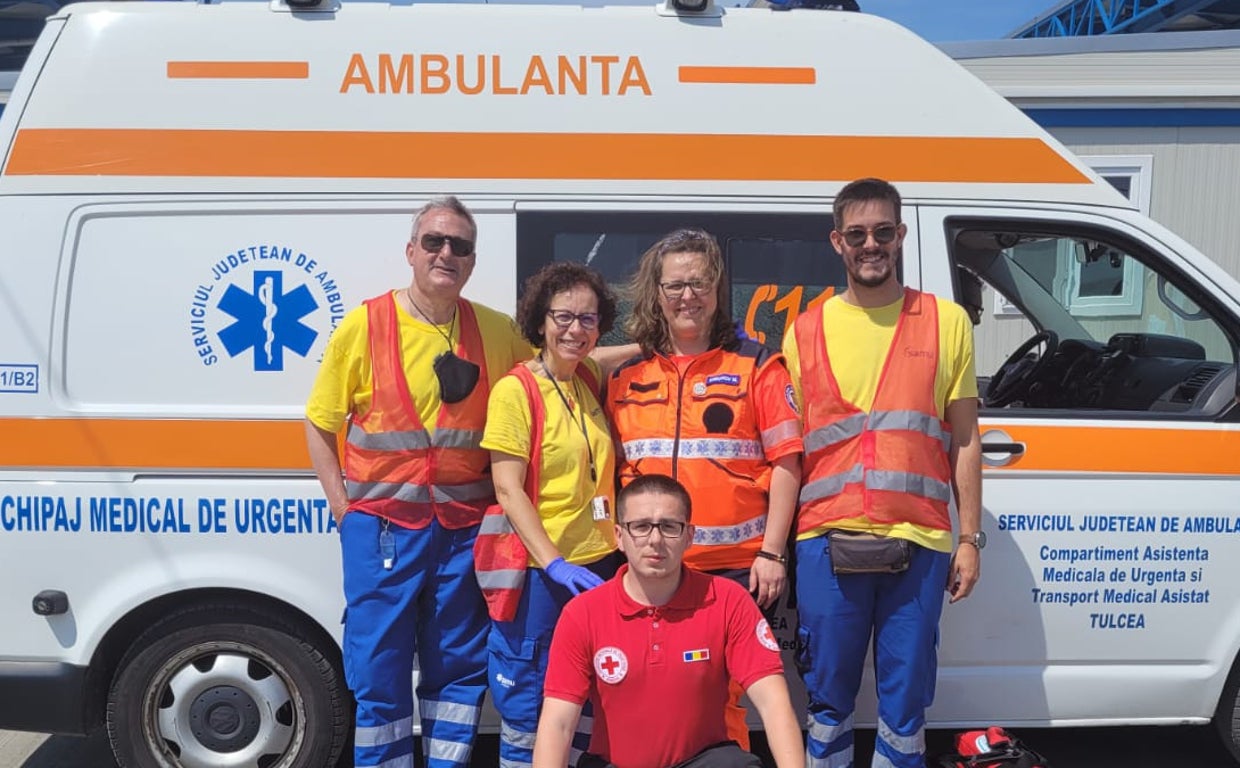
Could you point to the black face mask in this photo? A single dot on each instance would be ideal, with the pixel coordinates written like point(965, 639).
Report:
point(457, 377)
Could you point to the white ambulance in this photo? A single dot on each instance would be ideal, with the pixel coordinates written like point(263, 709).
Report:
point(193, 195)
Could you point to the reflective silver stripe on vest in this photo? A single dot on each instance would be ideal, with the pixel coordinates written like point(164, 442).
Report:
point(456, 438)
point(908, 482)
point(452, 751)
point(831, 485)
point(419, 494)
point(907, 745)
point(516, 738)
point(413, 439)
point(913, 421)
point(501, 579)
point(378, 735)
point(876, 480)
point(407, 440)
point(495, 524)
point(723, 535)
point(697, 448)
point(479, 489)
point(844, 429)
point(785, 430)
point(449, 712)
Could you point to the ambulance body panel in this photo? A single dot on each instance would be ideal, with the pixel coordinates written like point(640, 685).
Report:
point(194, 195)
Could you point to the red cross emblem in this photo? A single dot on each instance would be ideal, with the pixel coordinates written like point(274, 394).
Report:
point(766, 636)
point(610, 664)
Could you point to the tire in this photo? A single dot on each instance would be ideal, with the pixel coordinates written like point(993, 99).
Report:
point(226, 687)
point(1227, 714)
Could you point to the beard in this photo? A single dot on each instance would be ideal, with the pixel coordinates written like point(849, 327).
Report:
point(872, 275)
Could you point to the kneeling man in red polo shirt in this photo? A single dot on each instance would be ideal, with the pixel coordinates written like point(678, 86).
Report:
point(654, 649)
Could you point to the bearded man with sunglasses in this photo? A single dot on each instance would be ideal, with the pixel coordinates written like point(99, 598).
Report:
point(409, 373)
point(654, 649)
point(886, 378)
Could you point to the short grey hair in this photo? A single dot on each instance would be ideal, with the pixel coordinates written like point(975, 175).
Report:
point(445, 203)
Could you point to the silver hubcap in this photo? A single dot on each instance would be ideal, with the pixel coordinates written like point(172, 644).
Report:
point(227, 707)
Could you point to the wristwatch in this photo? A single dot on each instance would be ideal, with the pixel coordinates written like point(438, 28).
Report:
point(977, 539)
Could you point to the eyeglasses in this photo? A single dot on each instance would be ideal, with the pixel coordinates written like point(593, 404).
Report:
point(676, 288)
point(563, 319)
point(669, 529)
point(855, 237)
point(433, 243)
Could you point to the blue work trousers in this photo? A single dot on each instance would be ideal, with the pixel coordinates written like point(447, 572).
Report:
point(517, 665)
point(428, 603)
point(839, 614)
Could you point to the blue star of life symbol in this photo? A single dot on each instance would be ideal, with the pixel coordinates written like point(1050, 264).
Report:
point(268, 320)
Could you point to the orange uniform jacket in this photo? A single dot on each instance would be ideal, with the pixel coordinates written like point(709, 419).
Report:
point(394, 467)
point(891, 464)
point(702, 428)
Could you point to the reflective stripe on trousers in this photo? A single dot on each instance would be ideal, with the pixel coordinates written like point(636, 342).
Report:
point(517, 663)
point(428, 603)
point(829, 746)
point(838, 616)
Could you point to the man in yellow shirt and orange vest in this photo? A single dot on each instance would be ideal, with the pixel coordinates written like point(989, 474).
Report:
point(886, 379)
point(409, 373)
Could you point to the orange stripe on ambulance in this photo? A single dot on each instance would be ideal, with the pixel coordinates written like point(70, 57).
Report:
point(435, 73)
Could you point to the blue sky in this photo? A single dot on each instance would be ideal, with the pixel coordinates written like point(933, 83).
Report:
point(943, 21)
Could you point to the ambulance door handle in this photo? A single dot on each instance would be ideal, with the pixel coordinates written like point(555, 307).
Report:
point(999, 449)
point(1014, 449)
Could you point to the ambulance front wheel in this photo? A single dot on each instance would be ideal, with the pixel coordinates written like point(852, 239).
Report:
point(226, 687)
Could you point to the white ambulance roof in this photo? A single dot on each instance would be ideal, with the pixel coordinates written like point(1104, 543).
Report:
point(517, 99)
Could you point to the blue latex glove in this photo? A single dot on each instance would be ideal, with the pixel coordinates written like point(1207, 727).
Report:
point(574, 578)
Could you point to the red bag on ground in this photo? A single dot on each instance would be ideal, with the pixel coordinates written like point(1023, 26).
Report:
point(992, 747)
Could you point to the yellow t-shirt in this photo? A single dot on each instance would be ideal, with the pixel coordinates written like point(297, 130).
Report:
point(565, 490)
point(859, 339)
point(344, 384)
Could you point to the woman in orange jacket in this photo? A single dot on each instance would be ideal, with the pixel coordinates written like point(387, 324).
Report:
point(714, 411)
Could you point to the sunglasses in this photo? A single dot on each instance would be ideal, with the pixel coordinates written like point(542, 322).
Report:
point(563, 319)
point(461, 247)
point(855, 237)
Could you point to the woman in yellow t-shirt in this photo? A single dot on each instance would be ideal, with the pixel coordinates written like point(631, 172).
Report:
point(568, 529)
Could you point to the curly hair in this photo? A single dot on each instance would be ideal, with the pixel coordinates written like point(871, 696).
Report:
point(557, 277)
point(647, 325)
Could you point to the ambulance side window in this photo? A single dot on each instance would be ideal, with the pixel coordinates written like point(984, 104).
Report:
point(1150, 340)
point(778, 264)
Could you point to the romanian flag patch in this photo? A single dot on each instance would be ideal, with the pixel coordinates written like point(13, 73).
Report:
point(698, 655)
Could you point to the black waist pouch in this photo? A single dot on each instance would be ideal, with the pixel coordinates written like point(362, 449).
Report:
point(858, 552)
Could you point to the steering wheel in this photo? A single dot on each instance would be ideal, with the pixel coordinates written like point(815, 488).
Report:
point(1011, 382)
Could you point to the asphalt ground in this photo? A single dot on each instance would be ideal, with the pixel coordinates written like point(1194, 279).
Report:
point(1151, 747)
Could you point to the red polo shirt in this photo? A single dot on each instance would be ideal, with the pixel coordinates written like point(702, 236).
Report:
point(658, 677)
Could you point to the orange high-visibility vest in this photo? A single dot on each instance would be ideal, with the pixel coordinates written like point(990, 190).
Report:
point(394, 467)
point(891, 464)
point(702, 429)
point(500, 557)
